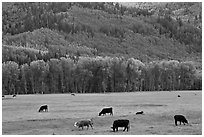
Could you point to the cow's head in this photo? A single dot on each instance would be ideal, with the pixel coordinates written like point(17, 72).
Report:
point(186, 121)
point(76, 124)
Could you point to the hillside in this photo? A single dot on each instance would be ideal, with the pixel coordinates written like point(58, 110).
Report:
point(99, 47)
point(188, 12)
point(109, 34)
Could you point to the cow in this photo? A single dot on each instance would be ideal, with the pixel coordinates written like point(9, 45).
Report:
point(14, 95)
point(180, 118)
point(121, 123)
point(106, 110)
point(83, 123)
point(3, 96)
point(73, 94)
point(42, 108)
point(179, 96)
point(139, 112)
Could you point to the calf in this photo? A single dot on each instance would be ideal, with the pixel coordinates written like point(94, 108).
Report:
point(180, 118)
point(42, 108)
point(83, 123)
point(139, 112)
point(73, 94)
point(121, 123)
point(106, 110)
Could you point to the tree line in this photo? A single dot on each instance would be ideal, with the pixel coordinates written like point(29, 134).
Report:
point(22, 55)
point(98, 75)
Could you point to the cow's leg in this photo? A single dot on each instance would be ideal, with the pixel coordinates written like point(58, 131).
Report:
point(116, 128)
point(124, 129)
point(91, 126)
point(176, 122)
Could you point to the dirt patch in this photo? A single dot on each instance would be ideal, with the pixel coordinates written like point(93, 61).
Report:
point(36, 120)
point(152, 105)
point(142, 105)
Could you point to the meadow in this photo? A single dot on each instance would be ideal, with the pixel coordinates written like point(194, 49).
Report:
point(20, 115)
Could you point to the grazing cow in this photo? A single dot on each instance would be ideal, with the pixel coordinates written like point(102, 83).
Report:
point(121, 123)
point(83, 123)
point(106, 110)
point(179, 96)
point(73, 94)
point(42, 108)
point(139, 112)
point(14, 95)
point(3, 96)
point(180, 118)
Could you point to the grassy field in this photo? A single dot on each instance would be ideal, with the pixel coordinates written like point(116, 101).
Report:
point(20, 115)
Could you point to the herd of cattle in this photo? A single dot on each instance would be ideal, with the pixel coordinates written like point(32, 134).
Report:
point(116, 124)
point(125, 123)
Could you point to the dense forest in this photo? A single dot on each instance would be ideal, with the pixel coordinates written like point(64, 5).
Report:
point(97, 47)
point(98, 74)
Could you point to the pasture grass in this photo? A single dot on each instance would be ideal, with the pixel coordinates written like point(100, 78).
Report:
point(20, 115)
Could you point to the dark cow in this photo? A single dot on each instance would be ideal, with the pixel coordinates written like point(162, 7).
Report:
point(14, 95)
point(106, 110)
point(121, 123)
point(139, 112)
point(180, 118)
point(73, 94)
point(42, 108)
point(179, 96)
point(3, 96)
point(83, 123)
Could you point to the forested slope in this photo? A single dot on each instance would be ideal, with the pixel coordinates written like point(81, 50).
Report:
point(98, 47)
